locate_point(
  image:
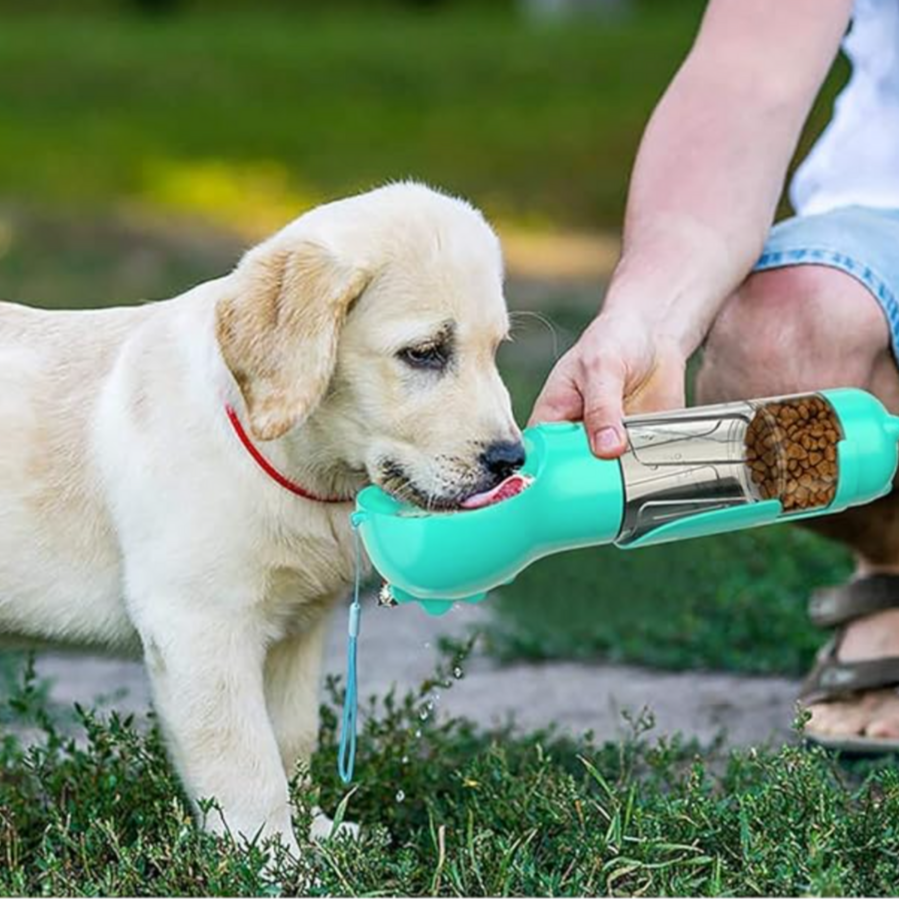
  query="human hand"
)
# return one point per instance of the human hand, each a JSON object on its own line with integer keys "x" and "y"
{"x": 618, "y": 365}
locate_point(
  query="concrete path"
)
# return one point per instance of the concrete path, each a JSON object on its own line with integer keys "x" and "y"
{"x": 398, "y": 646}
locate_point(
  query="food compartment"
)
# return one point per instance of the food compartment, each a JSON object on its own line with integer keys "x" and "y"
{"x": 791, "y": 451}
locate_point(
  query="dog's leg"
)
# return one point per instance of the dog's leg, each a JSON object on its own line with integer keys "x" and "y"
{"x": 292, "y": 680}
{"x": 206, "y": 671}
{"x": 292, "y": 677}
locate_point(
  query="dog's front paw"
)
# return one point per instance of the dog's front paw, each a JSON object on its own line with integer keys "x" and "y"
{"x": 322, "y": 827}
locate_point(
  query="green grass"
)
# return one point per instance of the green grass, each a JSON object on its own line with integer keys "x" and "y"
{"x": 454, "y": 811}
{"x": 734, "y": 602}
{"x": 251, "y": 115}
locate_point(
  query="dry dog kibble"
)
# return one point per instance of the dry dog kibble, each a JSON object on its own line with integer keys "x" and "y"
{"x": 791, "y": 452}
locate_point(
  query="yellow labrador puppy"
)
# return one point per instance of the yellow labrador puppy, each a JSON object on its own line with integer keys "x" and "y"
{"x": 178, "y": 477}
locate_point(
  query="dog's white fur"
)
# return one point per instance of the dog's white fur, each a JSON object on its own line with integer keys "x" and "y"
{"x": 132, "y": 518}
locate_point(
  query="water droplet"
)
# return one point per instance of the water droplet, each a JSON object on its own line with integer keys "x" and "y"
{"x": 418, "y": 735}
{"x": 457, "y": 672}
{"x": 405, "y": 760}
{"x": 400, "y": 795}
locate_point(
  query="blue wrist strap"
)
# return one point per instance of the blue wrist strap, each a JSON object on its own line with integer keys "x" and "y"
{"x": 346, "y": 754}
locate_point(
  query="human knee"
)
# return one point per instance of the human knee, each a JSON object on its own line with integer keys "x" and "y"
{"x": 792, "y": 329}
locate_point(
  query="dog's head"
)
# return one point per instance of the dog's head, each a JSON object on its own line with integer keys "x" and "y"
{"x": 375, "y": 321}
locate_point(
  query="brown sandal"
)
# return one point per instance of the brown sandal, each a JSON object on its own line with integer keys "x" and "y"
{"x": 830, "y": 679}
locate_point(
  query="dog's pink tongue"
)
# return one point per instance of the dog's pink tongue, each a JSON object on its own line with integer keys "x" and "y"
{"x": 511, "y": 486}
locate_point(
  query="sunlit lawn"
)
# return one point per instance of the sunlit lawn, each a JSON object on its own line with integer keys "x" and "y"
{"x": 246, "y": 117}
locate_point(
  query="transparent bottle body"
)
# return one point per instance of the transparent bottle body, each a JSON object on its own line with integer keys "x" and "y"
{"x": 692, "y": 461}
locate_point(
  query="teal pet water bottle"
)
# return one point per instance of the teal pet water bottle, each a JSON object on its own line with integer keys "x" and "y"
{"x": 685, "y": 474}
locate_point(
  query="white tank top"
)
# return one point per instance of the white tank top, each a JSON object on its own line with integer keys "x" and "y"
{"x": 856, "y": 159}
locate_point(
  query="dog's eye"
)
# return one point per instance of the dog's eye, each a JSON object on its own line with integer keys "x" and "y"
{"x": 431, "y": 356}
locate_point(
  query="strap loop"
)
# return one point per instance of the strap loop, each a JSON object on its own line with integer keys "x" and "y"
{"x": 346, "y": 754}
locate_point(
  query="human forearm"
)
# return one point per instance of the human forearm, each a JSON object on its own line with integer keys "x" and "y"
{"x": 702, "y": 196}
{"x": 713, "y": 159}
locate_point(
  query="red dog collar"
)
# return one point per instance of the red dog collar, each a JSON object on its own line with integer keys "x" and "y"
{"x": 270, "y": 470}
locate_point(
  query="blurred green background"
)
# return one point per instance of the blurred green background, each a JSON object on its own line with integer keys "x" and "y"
{"x": 144, "y": 145}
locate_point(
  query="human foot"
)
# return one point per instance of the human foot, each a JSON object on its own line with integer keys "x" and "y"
{"x": 873, "y": 712}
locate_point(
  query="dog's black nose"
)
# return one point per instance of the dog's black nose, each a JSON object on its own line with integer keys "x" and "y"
{"x": 503, "y": 458}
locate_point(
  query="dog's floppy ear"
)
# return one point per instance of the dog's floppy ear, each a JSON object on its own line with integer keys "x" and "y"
{"x": 278, "y": 331}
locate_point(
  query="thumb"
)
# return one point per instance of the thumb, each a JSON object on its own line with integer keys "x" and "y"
{"x": 604, "y": 409}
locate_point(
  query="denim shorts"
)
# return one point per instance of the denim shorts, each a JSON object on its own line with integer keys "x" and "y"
{"x": 859, "y": 240}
